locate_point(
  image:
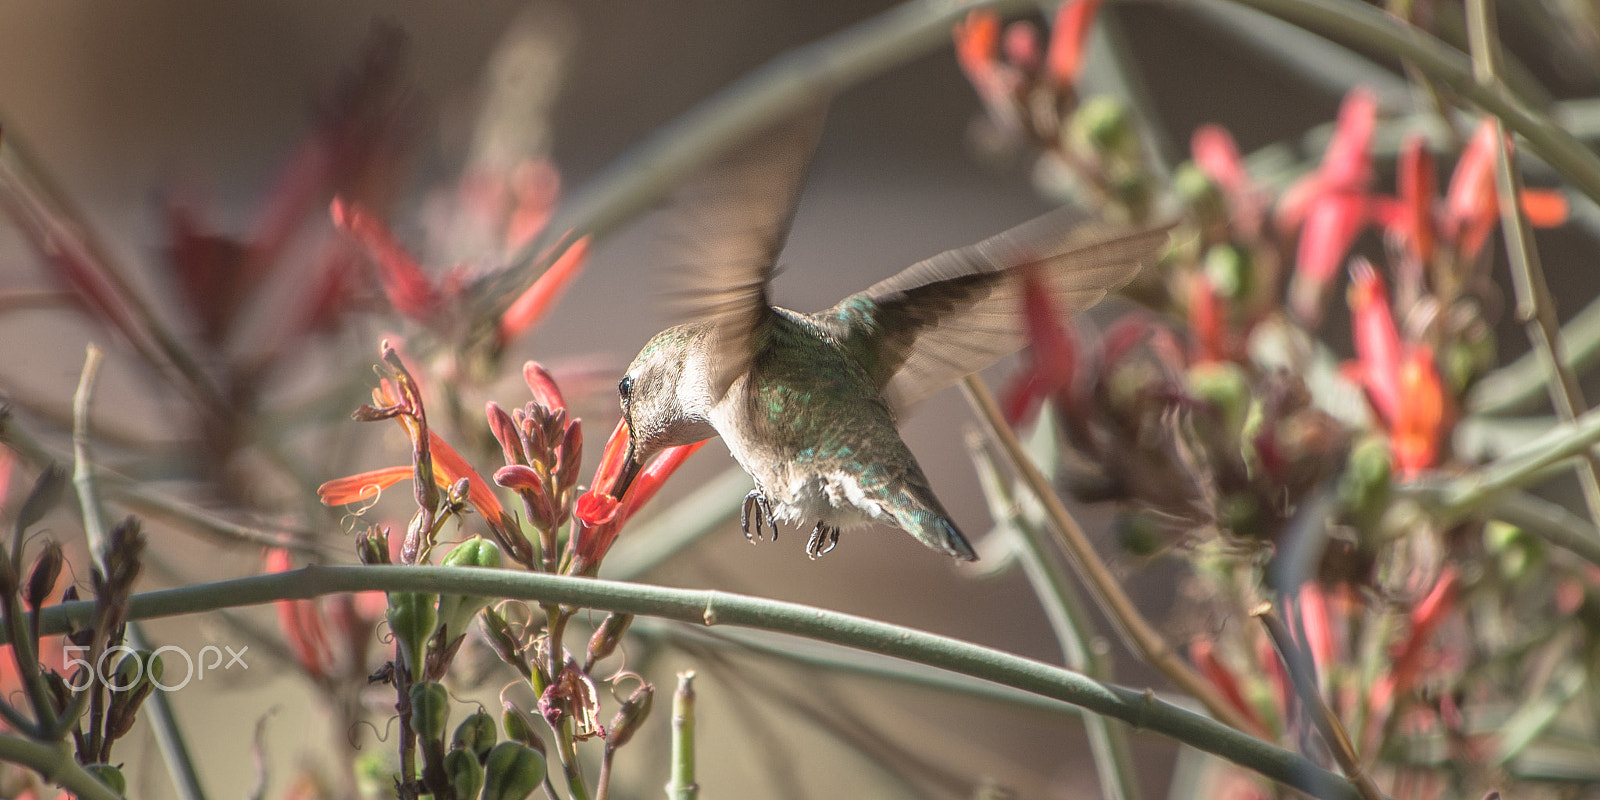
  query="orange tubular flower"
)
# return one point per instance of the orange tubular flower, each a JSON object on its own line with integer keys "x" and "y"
{"x": 601, "y": 516}
{"x": 1067, "y": 37}
{"x": 405, "y": 283}
{"x": 1331, "y": 206}
{"x": 532, "y": 306}
{"x": 1401, "y": 380}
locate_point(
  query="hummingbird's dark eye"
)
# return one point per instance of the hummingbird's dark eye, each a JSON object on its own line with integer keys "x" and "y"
{"x": 626, "y": 386}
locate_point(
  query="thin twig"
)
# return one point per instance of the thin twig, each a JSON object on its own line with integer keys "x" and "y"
{"x": 1108, "y": 741}
{"x": 1303, "y": 675}
{"x": 1139, "y": 634}
{"x": 1377, "y": 30}
{"x": 1535, "y": 307}
{"x": 169, "y": 738}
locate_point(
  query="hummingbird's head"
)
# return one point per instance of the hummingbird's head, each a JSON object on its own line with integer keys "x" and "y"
{"x": 665, "y": 397}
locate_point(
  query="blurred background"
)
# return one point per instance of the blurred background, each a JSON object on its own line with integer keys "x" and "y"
{"x": 134, "y": 109}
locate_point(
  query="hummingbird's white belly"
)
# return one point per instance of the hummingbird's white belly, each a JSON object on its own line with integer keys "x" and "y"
{"x": 834, "y": 498}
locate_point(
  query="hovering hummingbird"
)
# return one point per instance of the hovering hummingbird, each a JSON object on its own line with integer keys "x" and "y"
{"x": 809, "y": 404}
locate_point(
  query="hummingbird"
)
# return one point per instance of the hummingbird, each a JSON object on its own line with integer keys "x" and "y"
{"x": 810, "y": 404}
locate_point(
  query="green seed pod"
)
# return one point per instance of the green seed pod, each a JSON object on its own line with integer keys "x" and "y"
{"x": 412, "y": 618}
{"x": 512, "y": 772}
{"x": 430, "y": 710}
{"x": 456, "y": 611}
{"x": 1364, "y": 488}
{"x": 373, "y": 546}
{"x": 475, "y": 733}
{"x": 519, "y": 728}
{"x": 464, "y": 772}
{"x": 108, "y": 775}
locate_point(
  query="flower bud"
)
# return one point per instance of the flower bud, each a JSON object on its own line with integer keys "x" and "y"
{"x": 373, "y": 546}
{"x": 461, "y": 767}
{"x": 1230, "y": 272}
{"x": 505, "y": 432}
{"x": 570, "y": 456}
{"x": 475, "y": 734}
{"x": 512, "y": 771}
{"x": 108, "y": 775}
{"x": 430, "y": 710}
{"x": 1364, "y": 488}
{"x": 46, "y": 569}
{"x": 1102, "y": 124}
{"x": 504, "y": 642}
{"x": 631, "y": 716}
{"x": 606, "y": 638}
{"x": 528, "y": 484}
{"x": 1201, "y": 195}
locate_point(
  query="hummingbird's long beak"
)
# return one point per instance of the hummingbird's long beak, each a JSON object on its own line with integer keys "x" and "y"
{"x": 630, "y": 470}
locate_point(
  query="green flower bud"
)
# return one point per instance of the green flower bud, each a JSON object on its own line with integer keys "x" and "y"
{"x": 1138, "y": 533}
{"x": 373, "y": 546}
{"x": 1224, "y": 386}
{"x": 476, "y": 733}
{"x": 464, "y": 772}
{"x": 1364, "y": 488}
{"x": 1103, "y": 126}
{"x": 412, "y": 618}
{"x": 1230, "y": 271}
{"x": 108, "y": 775}
{"x": 42, "y": 580}
{"x": 512, "y": 771}
{"x": 456, "y": 611}
{"x": 430, "y": 710}
{"x": 519, "y": 728}
{"x": 1202, "y": 196}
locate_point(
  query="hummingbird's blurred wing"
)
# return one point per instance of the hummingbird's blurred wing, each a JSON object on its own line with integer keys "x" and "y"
{"x": 960, "y": 311}
{"x": 728, "y": 225}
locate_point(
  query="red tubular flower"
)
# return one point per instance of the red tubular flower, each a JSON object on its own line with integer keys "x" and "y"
{"x": 543, "y": 385}
{"x": 527, "y": 310}
{"x": 977, "y": 41}
{"x": 1052, "y": 357}
{"x": 1217, "y": 155}
{"x": 1330, "y": 206}
{"x": 1202, "y": 653}
{"x": 1377, "y": 366}
{"x": 1021, "y": 45}
{"x": 1067, "y": 36}
{"x": 1208, "y": 321}
{"x": 535, "y": 185}
{"x": 601, "y": 516}
{"x": 1470, "y": 204}
{"x": 301, "y": 623}
{"x": 1318, "y": 626}
{"x": 1417, "y": 195}
{"x": 407, "y": 286}
{"x": 1408, "y": 658}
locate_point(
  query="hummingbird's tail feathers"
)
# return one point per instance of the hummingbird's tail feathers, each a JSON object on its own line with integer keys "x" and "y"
{"x": 938, "y": 533}
{"x": 918, "y": 512}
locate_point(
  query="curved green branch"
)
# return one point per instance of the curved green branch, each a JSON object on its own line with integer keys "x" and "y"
{"x": 709, "y": 607}
{"x": 55, "y": 763}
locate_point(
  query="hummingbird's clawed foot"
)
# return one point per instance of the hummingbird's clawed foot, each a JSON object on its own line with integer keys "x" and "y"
{"x": 823, "y": 539}
{"x": 755, "y": 499}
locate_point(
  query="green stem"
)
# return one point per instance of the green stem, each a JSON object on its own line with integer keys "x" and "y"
{"x": 1468, "y": 493}
{"x": 700, "y": 607}
{"x": 682, "y": 786}
{"x": 1535, "y": 308}
{"x": 1108, "y": 741}
{"x": 54, "y": 761}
